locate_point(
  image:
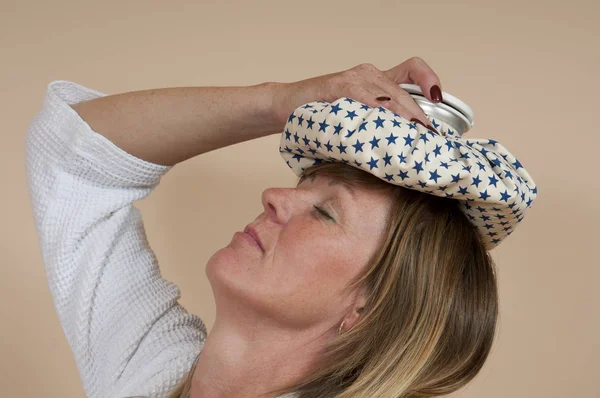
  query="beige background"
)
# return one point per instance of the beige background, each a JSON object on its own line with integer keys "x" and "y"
{"x": 528, "y": 70}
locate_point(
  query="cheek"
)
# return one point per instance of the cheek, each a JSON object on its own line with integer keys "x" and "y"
{"x": 311, "y": 264}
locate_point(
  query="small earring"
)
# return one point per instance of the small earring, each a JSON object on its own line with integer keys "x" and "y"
{"x": 340, "y": 329}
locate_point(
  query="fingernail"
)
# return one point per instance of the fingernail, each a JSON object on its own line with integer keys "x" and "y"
{"x": 436, "y": 93}
{"x": 418, "y": 121}
{"x": 430, "y": 127}
{"x": 383, "y": 98}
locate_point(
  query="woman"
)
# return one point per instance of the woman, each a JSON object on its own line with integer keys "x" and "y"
{"x": 401, "y": 301}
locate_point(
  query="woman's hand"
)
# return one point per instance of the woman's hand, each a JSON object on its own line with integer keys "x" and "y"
{"x": 364, "y": 83}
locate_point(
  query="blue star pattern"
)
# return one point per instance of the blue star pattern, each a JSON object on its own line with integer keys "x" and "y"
{"x": 492, "y": 186}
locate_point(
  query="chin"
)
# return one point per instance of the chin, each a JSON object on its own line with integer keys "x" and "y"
{"x": 220, "y": 264}
{"x": 227, "y": 273}
{"x": 234, "y": 286}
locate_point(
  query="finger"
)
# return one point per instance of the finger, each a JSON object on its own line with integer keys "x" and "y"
{"x": 416, "y": 71}
{"x": 401, "y": 97}
{"x": 366, "y": 89}
{"x": 369, "y": 94}
{"x": 408, "y": 102}
{"x": 399, "y": 110}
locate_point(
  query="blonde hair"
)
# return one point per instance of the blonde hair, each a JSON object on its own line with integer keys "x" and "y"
{"x": 432, "y": 303}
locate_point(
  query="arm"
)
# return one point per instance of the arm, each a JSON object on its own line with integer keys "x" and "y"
{"x": 128, "y": 334}
{"x": 169, "y": 125}
{"x": 89, "y": 156}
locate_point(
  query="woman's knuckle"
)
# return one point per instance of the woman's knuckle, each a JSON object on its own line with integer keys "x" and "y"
{"x": 416, "y": 60}
{"x": 366, "y": 67}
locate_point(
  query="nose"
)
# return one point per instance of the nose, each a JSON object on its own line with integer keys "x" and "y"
{"x": 278, "y": 203}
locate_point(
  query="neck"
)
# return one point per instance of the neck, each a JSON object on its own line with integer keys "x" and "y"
{"x": 251, "y": 360}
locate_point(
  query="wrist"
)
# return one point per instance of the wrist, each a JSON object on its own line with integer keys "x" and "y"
{"x": 279, "y": 98}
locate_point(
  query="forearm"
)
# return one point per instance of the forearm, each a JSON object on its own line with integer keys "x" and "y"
{"x": 169, "y": 125}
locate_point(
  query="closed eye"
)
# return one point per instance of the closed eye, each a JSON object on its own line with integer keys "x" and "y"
{"x": 323, "y": 212}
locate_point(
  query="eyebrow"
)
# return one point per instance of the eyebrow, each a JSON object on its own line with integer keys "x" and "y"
{"x": 345, "y": 185}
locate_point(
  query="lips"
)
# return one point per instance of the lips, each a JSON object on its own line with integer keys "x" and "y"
{"x": 252, "y": 232}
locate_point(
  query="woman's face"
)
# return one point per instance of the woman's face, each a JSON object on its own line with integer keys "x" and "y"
{"x": 308, "y": 259}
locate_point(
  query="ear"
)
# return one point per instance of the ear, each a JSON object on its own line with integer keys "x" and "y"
{"x": 353, "y": 316}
